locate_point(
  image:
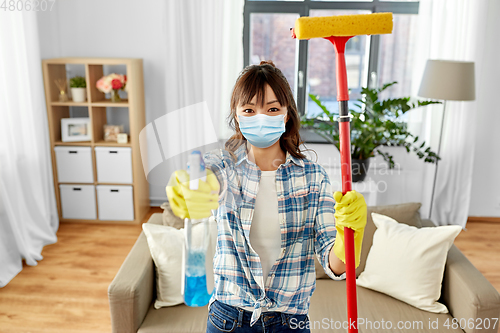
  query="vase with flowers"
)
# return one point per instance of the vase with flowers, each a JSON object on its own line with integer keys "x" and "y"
{"x": 112, "y": 83}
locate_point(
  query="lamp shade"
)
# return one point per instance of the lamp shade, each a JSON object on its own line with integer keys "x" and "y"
{"x": 448, "y": 80}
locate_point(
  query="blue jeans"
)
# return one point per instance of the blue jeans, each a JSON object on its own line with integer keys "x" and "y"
{"x": 227, "y": 318}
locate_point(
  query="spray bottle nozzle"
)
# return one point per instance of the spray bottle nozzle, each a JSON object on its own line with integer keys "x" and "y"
{"x": 196, "y": 169}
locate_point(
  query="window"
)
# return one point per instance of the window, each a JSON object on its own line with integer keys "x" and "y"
{"x": 321, "y": 71}
{"x": 270, "y": 40}
{"x": 310, "y": 65}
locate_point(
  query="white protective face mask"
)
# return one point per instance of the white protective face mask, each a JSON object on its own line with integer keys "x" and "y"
{"x": 262, "y": 130}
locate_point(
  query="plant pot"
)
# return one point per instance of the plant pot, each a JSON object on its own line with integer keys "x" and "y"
{"x": 359, "y": 169}
{"x": 79, "y": 94}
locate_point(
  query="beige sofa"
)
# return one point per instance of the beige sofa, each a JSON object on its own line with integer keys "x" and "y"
{"x": 465, "y": 291}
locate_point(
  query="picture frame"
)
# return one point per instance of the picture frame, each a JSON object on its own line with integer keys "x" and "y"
{"x": 76, "y": 129}
{"x": 111, "y": 132}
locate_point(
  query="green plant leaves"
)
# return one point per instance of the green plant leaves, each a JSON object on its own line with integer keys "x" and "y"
{"x": 77, "y": 82}
{"x": 375, "y": 123}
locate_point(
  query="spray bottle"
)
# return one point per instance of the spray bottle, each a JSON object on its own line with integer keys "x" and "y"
{"x": 199, "y": 246}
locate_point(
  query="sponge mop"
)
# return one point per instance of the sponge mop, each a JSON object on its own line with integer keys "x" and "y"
{"x": 343, "y": 25}
{"x": 338, "y": 30}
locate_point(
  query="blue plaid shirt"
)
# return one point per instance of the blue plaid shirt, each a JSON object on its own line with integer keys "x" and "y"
{"x": 306, "y": 208}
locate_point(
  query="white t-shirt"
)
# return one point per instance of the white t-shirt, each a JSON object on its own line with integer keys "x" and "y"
{"x": 265, "y": 231}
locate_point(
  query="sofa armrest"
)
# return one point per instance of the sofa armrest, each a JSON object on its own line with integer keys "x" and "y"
{"x": 467, "y": 293}
{"x": 131, "y": 292}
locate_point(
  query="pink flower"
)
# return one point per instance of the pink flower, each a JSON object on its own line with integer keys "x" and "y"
{"x": 103, "y": 85}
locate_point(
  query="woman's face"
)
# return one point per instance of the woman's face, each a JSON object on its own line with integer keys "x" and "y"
{"x": 271, "y": 106}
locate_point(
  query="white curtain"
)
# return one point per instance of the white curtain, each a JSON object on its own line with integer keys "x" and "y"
{"x": 203, "y": 59}
{"x": 28, "y": 212}
{"x": 204, "y": 55}
{"x": 450, "y": 30}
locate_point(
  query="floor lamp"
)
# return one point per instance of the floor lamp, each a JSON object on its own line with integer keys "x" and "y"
{"x": 449, "y": 81}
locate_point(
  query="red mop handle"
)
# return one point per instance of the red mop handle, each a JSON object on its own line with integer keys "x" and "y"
{"x": 345, "y": 160}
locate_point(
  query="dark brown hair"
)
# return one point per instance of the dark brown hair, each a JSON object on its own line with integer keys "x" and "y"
{"x": 252, "y": 81}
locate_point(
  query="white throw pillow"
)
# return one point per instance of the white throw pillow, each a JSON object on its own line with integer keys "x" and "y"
{"x": 407, "y": 263}
{"x": 165, "y": 244}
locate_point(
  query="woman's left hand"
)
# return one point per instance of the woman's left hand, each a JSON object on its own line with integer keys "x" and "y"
{"x": 350, "y": 212}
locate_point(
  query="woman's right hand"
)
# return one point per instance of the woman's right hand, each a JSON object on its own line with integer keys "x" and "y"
{"x": 194, "y": 204}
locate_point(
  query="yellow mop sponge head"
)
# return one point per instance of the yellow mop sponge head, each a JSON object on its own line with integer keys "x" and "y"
{"x": 343, "y": 25}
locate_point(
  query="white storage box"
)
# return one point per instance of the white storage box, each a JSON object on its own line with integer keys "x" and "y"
{"x": 115, "y": 202}
{"x": 114, "y": 164}
{"x": 74, "y": 164}
{"x": 78, "y": 202}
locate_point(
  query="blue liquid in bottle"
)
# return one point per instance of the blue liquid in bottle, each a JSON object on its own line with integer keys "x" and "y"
{"x": 195, "y": 283}
{"x": 195, "y": 293}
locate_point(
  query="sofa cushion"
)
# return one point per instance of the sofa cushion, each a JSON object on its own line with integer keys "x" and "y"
{"x": 408, "y": 263}
{"x": 180, "y": 318}
{"x": 407, "y": 213}
{"x": 165, "y": 245}
{"x": 328, "y": 307}
{"x": 155, "y": 218}
{"x": 169, "y": 218}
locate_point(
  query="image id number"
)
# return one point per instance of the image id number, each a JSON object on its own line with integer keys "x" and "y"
{"x": 27, "y": 5}
{"x": 479, "y": 323}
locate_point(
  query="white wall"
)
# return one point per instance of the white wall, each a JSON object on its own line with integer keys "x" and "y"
{"x": 485, "y": 199}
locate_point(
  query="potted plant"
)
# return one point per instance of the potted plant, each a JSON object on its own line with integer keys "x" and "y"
{"x": 374, "y": 124}
{"x": 78, "y": 88}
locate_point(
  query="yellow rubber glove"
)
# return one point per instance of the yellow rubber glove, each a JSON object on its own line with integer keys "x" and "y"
{"x": 194, "y": 204}
{"x": 350, "y": 211}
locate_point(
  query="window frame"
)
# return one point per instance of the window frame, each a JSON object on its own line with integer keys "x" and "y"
{"x": 302, "y": 8}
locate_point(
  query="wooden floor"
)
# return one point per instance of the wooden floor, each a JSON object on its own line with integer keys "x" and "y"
{"x": 67, "y": 290}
